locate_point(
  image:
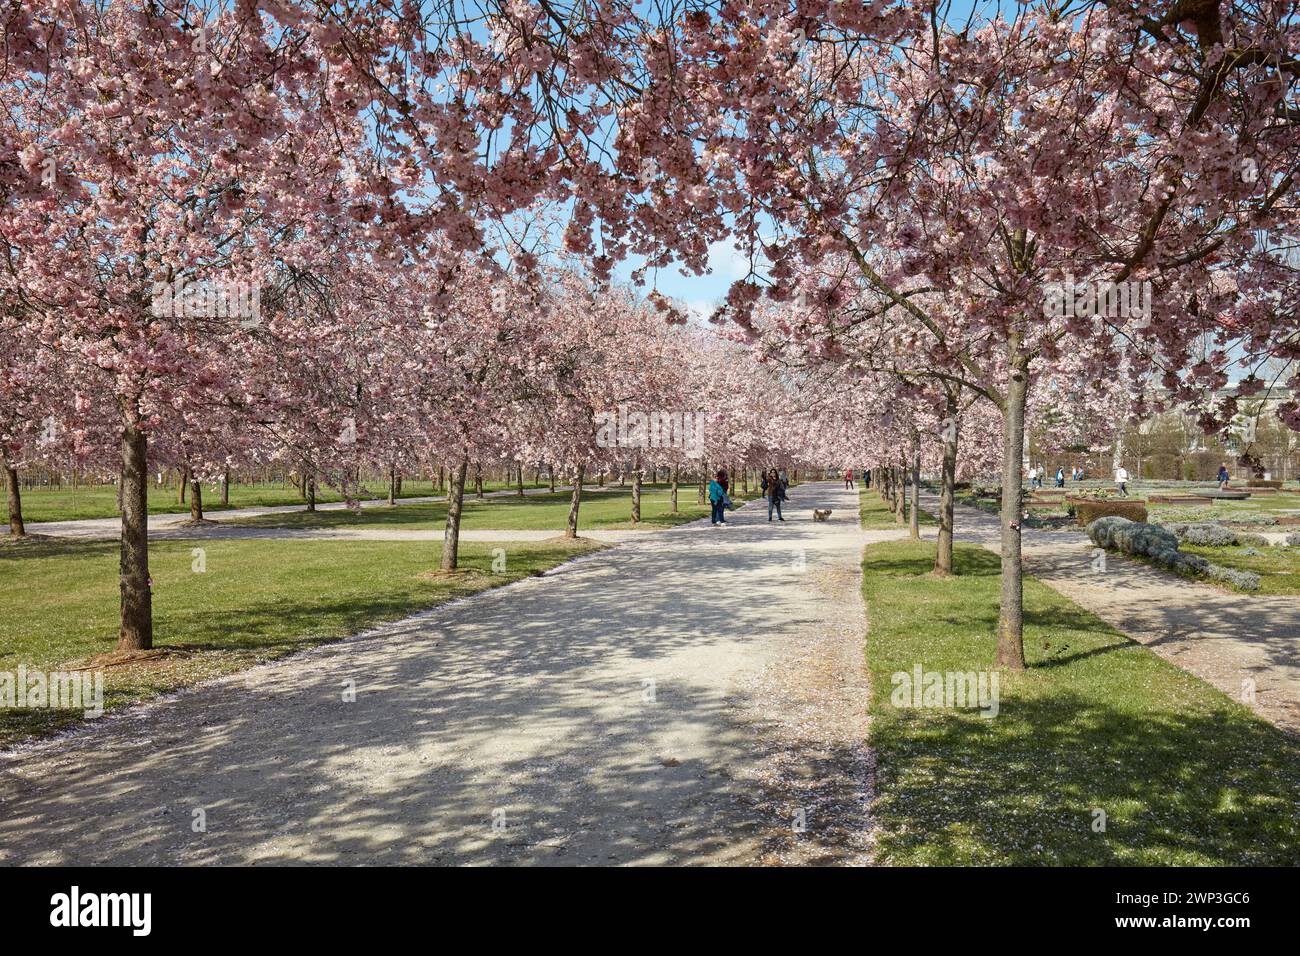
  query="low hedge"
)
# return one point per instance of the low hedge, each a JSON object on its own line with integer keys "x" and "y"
{"x": 1088, "y": 510}
{"x": 1263, "y": 483}
{"x": 1116, "y": 533}
{"x": 1210, "y": 534}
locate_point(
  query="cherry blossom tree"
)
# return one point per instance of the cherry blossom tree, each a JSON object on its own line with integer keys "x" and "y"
{"x": 1099, "y": 147}
{"x": 137, "y": 204}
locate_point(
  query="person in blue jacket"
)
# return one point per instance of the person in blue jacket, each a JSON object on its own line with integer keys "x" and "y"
{"x": 718, "y": 499}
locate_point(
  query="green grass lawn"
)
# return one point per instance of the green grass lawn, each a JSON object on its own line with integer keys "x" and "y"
{"x": 255, "y": 601}
{"x": 1184, "y": 774}
{"x": 100, "y": 501}
{"x": 609, "y": 509}
{"x": 876, "y": 516}
{"x": 1278, "y": 568}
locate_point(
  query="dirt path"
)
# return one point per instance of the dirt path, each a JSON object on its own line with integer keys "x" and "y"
{"x": 1221, "y": 637}
{"x": 677, "y": 699}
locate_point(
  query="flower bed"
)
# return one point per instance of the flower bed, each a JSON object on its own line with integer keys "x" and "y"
{"x": 1169, "y": 516}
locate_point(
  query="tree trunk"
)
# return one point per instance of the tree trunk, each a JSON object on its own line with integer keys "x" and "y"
{"x": 392, "y": 486}
{"x": 196, "y": 498}
{"x": 914, "y": 519}
{"x": 704, "y": 484}
{"x": 943, "y": 557}
{"x": 571, "y": 530}
{"x": 136, "y": 633}
{"x": 180, "y": 491}
{"x": 478, "y": 479}
{"x": 225, "y": 488}
{"x": 550, "y": 469}
{"x": 520, "y": 486}
{"x": 636, "y": 490}
{"x": 455, "y": 500}
{"x": 900, "y": 490}
{"x": 16, "y": 526}
{"x": 674, "y": 489}
{"x": 442, "y": 479}
{"x": 1011, "y": 615}
{"x": 311, "y": 492}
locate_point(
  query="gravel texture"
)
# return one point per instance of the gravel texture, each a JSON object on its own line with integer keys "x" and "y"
{"x": 675, "y": 699}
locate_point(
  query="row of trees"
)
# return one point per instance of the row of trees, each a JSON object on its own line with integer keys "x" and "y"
{"x": 913, "y": 190}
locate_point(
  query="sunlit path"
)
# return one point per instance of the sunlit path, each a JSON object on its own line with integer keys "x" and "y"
{"x": 676, "y": 699}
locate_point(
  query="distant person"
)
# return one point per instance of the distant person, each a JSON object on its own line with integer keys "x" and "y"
{"x": 1060, "y": 476}
{"x": 866, "y": 477}
{"x": 774, "y": 492}
{"x": 1121, "y": 479}
{"x": 1034, "y": 480}
{"x": 718, "y": 499}
{"x": 1224, "y": 477}
{"x": 848, "y": 478}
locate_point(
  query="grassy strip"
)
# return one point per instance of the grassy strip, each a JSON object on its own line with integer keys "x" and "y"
{"x": 1278, "y": 568}
{"x": 609, "y": 510}
{"x": 1184, "y": 774}
{"x": 100, "y": 501}
{"x": 257, "y": 600}
{"x": 875, "y": 514}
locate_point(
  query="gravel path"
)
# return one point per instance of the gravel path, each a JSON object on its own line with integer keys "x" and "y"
{"x": 1222, "y": 637}
{"x": 694, "y": 696}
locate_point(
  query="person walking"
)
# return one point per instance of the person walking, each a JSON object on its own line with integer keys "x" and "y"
{"x": 1060, "y": 476}
{"x": 848, "y": 479}
{"x": 774, "y": 492}
{"x": 1224, "y": 477}
{"x": 718, "y": 499}
{"x": 1121, "y": 479}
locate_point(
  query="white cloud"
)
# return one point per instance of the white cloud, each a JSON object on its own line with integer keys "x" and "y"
{"x": 726, "y": 260}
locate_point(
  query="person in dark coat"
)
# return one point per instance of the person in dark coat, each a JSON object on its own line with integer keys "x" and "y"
{"x": 774, "y": 492}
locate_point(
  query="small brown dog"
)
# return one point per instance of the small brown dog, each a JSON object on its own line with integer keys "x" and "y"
{"x": 820, "y": 515}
